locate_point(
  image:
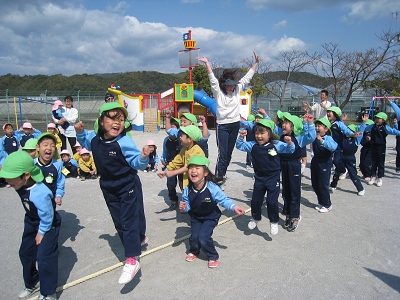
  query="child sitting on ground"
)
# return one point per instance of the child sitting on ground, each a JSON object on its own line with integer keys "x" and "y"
{"x": 201, "y": 199}
{"x": 78, "y": 149}
{"x": 70, "y": 165}
{"x": 87, "y": 168}
{"x": 153, "y": 157}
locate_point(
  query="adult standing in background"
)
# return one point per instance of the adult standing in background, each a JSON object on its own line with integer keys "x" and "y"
{"x": 320, "y": 108}
{"x": 226, "y": 93}
{"x": 70, "y": 115}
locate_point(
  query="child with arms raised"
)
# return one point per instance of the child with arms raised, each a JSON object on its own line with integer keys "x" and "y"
{"x": 201, "y": 199}
{"x": 117, "y": 160}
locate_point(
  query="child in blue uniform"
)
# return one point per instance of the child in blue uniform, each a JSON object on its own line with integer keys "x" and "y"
{"x": 153, "y": 157}
{"x": 321, "y": 164}
{"x": 267, "y": 168}
{"x": 301, "y": 134}
{"x": 39, "y": 245}
{"x": 70, "y": 165}
{"x": 51, "y": 169}
{"x": 9, "y": 141}
{"x": 379, "y": 131}
{"x": 365, "y": 153}
{"x": 170, "y": 150}
{"x": 117, "y": 160}
{"x": 26, "y": 132}
{"x": 201, "y": 199}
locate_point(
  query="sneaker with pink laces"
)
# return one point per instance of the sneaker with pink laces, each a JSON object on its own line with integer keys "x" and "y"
{"x": 129, "y": 271}
{"x": 213, "y": 263}
{"x": 190, "y": 257}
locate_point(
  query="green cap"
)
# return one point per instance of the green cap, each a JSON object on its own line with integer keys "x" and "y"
{"x": 18, "y": 163}
{"x": 199, "y": 161}
{"x": 113, "y": 105}
{"x": 324, "y": 121}
{"x": 178, "y": 122}
{"x": 251, "y": 118}
{"x": 192, "y": 131}
{"x": 336, "y": 110}
{"x": 296, "y": 121}
{"x": 191, "y": 117}
{"x": 259, "y": 116}
{"x": 381, "y": 115}
{"x": 47, "y": 134}
{"x": 30, "y": 144}
{"x": 267, "y": 123}
{"x": 279, "y": 114}
{"x": 353, "y": 127}
{"x": 369, "y": 122}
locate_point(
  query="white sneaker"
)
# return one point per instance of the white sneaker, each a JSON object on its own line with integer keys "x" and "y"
{"x": 27, "y": 292}
{"x": 361, "y": 193}
{"x": 332, "y": 189}
{"x": 252, "y": 224}
{"x": 379, "y": 182}
{"x": 274, "y": 228}
{"x": 128, "y": 272}
{"x": 343, "y": 176}
{"x": 49, "y": 297}
{"x": 372, "y": 181}
{"x": 325, "y": 210}
{"x": 318, "y": 207}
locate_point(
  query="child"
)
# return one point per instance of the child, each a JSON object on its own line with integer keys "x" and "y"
{"x": 70, "y": 165}
{"x": 379, "y": 131}
{"x": 9, "y": 141}
{"x": 30, "y": 147}
{"x": 203, "y": 142}
{"x": 201, "y": 199}
{"x": 153, "y": 157}
{"x": 87, "y": 168}
{"x": 249, "y": 138}
{"x": 170, "y": 150}
{"x": 338, "y": 130}
{"x": 267, "y": 167}
{"x": 26, "y": 132}
{"x": 57, "y": 113}
{"x": 51, "y": 169}
{"x": 302, "y": 133}
{"x": 365, "y": 153}
{"x": 39, "y": 245}
{"x": 190, "y": 135}
{"x": 52, "y": 128}
{"x": 117, "y": 160}
{"x": 78, "y": 149}
{"x": 396, "y": 121}
{"x": 321, "y": 164}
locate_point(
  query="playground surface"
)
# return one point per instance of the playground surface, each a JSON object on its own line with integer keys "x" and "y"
{"x": 352, "y": 252}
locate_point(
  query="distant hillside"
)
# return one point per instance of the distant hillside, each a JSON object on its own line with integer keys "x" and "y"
{"x": 137, "y": 82}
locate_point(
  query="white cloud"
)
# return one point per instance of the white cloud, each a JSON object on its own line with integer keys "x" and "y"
{"x": 51, "y": 39}
{"x": 368, "y": 9}
{"x": 280, "y": 25}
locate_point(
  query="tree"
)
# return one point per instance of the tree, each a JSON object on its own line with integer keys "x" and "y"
{"x": 350, "y": 71}
{"x": 386, "y": 82}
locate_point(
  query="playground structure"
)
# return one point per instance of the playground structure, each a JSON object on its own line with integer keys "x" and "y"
{"x": 144, "y": 109}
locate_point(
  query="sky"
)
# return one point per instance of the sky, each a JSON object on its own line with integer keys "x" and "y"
{"x": 93, "y": 36}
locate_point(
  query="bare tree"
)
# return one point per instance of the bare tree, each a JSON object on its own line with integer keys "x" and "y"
{"x": 349, "y": 71}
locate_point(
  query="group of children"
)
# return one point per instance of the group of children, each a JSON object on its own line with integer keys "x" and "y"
{"x": 275, "y": 158}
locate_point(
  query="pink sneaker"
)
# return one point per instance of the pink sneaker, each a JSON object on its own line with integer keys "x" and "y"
{"x": 213, "y": 263}
{"x": 190, "y": 257}
{"x": 129, "y": 271}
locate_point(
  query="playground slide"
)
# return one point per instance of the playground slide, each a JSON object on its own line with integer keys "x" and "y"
{"x": 206, "y": 101}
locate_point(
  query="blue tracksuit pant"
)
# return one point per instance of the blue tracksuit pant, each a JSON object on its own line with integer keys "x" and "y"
{"x": 320, "y": 175}
{"x": 291, "y": 187}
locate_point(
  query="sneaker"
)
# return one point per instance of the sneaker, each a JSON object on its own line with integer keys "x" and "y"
{"x": 325, "y": 210}
{"x": 144, "y": 241}
{"x": 318, "y": 207}
{"x": 343, "y": 175}
{"x": 190, "y": 257}
{"x": 361, "y": 193}
{"x": 29, "y": 291}
{"x": 83, "y": 178}
{"x": 287, "y": 222}
{"x": 128, "y": 272}
{"x": 372, "y": 181}
{"x": 294, "y": 223}
{"x": 213, "y": 263}
{"x": 93, "y": 177}
{"x": 379, "y": 182}
{"x": 367, "y": 178}
{"x": 332, "y": 189}
{"x": 252, "y": 224}
{"x": 49, "y": 297}
{"x": 274, "y": 228}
